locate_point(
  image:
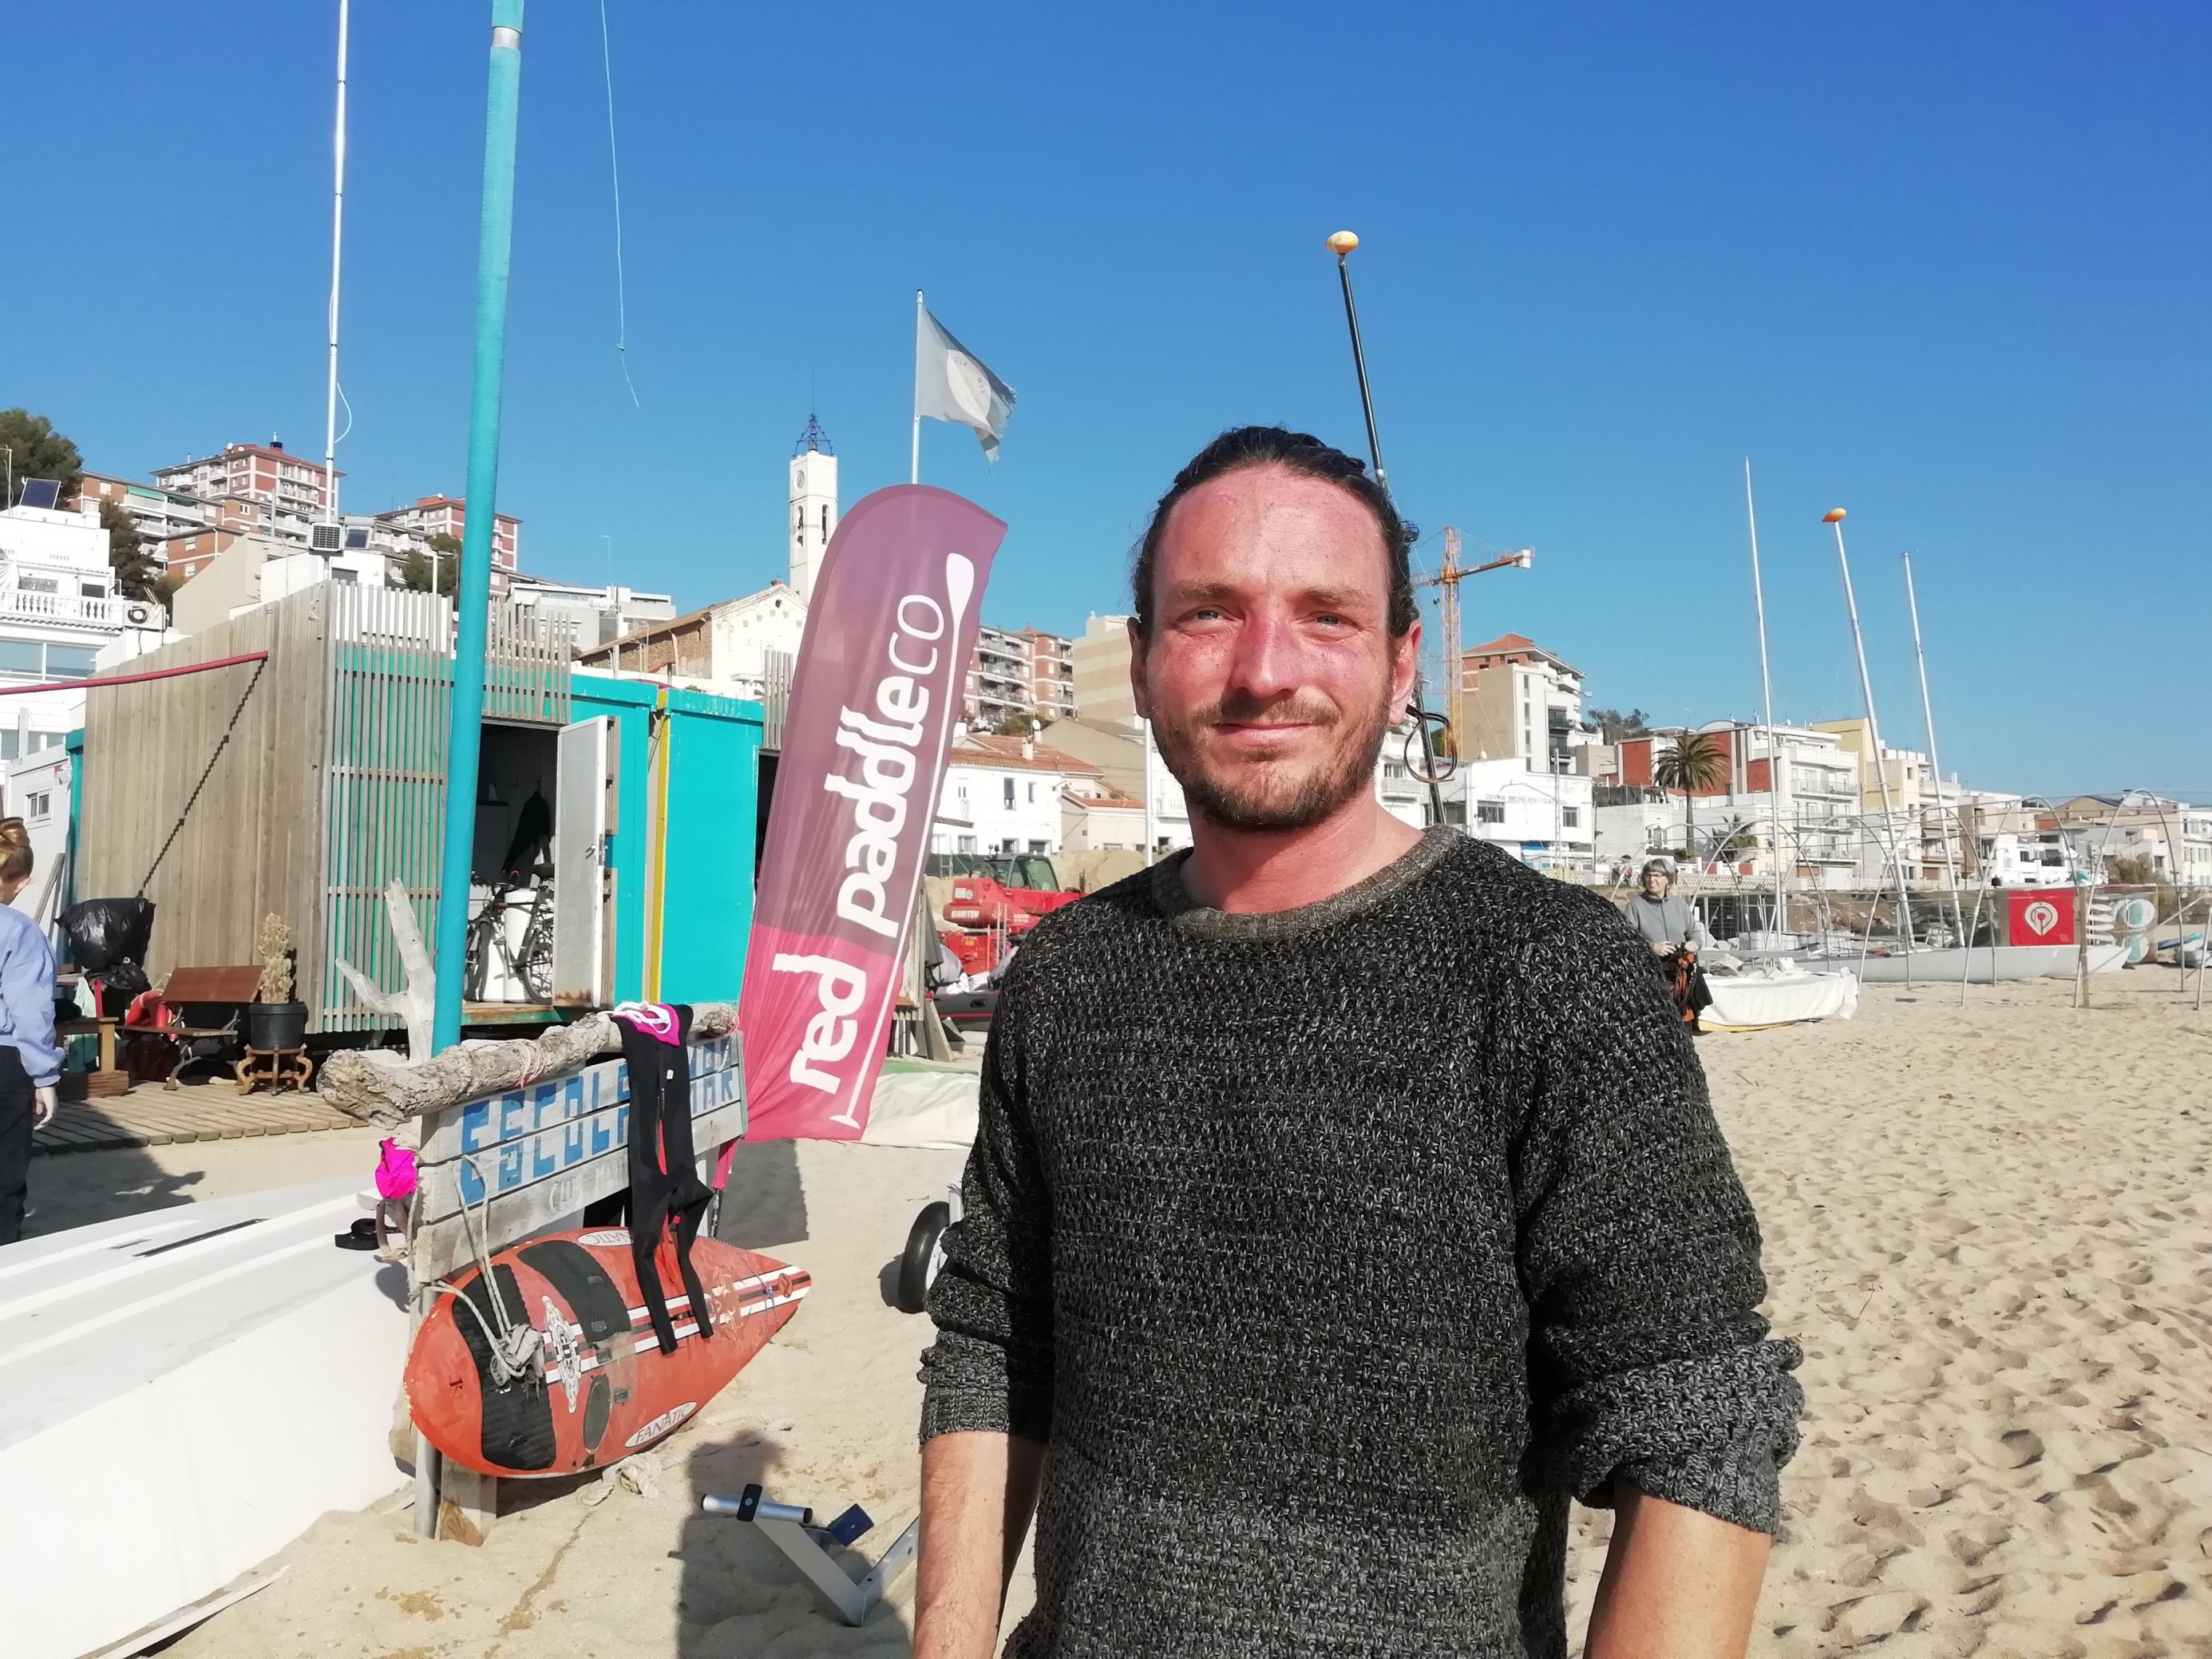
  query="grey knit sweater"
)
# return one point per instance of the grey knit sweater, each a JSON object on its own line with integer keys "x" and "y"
{"x": 1333, "y": 1251}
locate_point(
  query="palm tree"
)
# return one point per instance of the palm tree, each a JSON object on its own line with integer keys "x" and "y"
{"x": 1696, "y": 762}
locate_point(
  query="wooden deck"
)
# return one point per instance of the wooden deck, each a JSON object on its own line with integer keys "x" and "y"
{"x": 150, "y": 1116}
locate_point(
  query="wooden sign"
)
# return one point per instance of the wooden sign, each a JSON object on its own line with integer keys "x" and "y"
{"x": 518, "y": 1161}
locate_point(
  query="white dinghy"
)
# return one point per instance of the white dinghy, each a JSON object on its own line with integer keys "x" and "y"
{"x": 182, "y": 1393}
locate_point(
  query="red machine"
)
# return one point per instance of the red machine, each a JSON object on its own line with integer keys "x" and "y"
{"x": 994, "y": 901}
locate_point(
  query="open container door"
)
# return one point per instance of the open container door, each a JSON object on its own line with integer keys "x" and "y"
{"x": 584, "y": 826}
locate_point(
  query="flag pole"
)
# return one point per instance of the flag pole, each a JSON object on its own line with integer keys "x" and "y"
{"x": 914, "y": 474}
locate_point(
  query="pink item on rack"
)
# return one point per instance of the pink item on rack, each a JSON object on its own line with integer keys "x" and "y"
{"x": 395, "y": 1171}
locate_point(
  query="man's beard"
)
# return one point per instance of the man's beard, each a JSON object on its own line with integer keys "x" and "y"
{"x": 1268, "y": 795}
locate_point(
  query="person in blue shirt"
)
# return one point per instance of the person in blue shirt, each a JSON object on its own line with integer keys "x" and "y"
{"x": 30, "y": 1056}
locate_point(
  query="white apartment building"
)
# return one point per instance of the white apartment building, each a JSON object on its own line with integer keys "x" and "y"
{"x": 1519, "y": 701}
{"x": 596, "y": 616}
{"x": 60, "y": 619}
{"x": 1005, "y": 795}
{"x": 1545, "y": 820}
{"x": 998, "y": 677}
{"x": 1797, "y": 807}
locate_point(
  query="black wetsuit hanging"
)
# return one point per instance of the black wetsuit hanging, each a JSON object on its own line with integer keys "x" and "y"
{"x": 665, "y": 1187}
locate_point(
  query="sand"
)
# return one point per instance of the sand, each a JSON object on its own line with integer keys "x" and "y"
{"x": 1989, "y": 1228}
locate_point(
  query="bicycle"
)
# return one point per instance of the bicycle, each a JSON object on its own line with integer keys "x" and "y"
{"x": 531, "y": 962}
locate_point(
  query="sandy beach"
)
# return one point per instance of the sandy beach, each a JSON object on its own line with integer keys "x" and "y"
{"x": 1990, "y": 1228}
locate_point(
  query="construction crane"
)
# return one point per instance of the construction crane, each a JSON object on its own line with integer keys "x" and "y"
{"x": 1449, "y": 574}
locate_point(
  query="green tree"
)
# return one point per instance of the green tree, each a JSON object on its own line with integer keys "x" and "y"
{"x": 1613, "y": 725}
{"x": 438, "y": 571}
{"x": 1696, "y": 762}
{"x": 137, "y": 575}
{"x": 36, "y": 451}
{"x": 1015, "y": 723}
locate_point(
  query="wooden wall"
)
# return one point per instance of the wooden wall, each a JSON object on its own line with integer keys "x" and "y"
{"x": 206, "y": 790}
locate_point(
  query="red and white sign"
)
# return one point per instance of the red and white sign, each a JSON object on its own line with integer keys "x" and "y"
{"x": 882, "y": 678}
{"x": 2046, "y": 918}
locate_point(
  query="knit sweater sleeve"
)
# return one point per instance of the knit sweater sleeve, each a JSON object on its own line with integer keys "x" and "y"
{"x": 1638, "y": 1249}
{"x": 991, "y": 1367}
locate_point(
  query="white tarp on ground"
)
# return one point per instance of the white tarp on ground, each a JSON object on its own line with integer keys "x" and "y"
{"x": 1779, "y": 999}
{"x": 923, "y": 1109}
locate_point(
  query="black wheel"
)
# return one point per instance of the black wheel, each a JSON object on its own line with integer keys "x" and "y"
{"x": 925, "y": 1253}
{"x": 538, "y": 961}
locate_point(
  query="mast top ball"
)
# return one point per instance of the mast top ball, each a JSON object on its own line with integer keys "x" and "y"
{"x": 1833, "y": 515}
{"x": 1342, "y": 242}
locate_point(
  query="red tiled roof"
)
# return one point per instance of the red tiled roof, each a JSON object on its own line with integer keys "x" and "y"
{"x": 983, "y": 749}
{"x": 1505, "y": 645}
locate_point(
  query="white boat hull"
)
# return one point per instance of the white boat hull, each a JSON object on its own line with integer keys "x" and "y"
{"x": 186, "y": 1390}
{"x": 1982, "y": 965}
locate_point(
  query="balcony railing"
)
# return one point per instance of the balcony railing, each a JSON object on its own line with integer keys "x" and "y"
{"x": 62, "y": 609}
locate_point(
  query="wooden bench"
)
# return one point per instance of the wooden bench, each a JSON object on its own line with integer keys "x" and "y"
{"x": 195, "y": 993}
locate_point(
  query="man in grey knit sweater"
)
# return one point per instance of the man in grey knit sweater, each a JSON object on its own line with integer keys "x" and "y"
{"x": 1346, "y": 1200}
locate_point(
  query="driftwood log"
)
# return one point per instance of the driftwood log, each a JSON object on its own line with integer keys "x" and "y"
{"x": 379, "y": 1089}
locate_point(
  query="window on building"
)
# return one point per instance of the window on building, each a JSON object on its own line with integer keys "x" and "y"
{"x": 41, "y": 804}
{"x": 1009, "y": 782}
{"x": 70, "y": 662}
{"x": 1033, "y": 802}
{"x": 21, "y": 657}
{"x": 1036, "y": 847}
{"x": 1572, "y": 817}
{"x": 37, "y": 584}
{"x": 1489, "y": 811}
{"x": 964, "y": 843}
{"x": 1010, "y": 845}
{"x": 90, "y": 591}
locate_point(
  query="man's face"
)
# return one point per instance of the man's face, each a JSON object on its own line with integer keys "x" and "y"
{"x": 1271, "y": 674}
{"x": 1657, "y": 884}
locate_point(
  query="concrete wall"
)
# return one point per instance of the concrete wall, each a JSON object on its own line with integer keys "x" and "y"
{"x": 232, "y": 579}
{"x": 1102, "y": 671}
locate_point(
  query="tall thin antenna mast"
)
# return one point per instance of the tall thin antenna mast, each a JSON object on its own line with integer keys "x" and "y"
{"x": 337, "y": 239}
{"x": 1766, "y": 693}
{"x": 1935, "y": 759}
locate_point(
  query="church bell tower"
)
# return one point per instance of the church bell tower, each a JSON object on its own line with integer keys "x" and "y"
{"x": 813, "y": 505}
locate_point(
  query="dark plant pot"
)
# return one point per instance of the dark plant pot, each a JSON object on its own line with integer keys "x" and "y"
{"x": 276, "y": 1025}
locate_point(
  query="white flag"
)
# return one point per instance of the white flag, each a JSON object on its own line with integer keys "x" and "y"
{"x": 951, "y": 384}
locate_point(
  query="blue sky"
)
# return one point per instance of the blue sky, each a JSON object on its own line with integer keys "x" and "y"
{"x": 1943, "y": 265}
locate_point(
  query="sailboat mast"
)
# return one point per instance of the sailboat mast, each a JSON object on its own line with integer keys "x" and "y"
{"x": 1834, "y": 518}
{"x": 1935, "y": 759}
{"x": 338, "y": 238}
{"x": 1766, "y": 693}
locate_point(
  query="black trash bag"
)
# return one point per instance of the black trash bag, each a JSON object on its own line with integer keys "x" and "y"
{"x": 104, "y": 933}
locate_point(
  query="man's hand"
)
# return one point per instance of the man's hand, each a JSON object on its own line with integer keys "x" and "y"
{"x": 1664, "y": 948}
{"x": 43, "y": 1102}
{"x": 977, "y": 1491}
{"x": 1678, "y": 1584}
